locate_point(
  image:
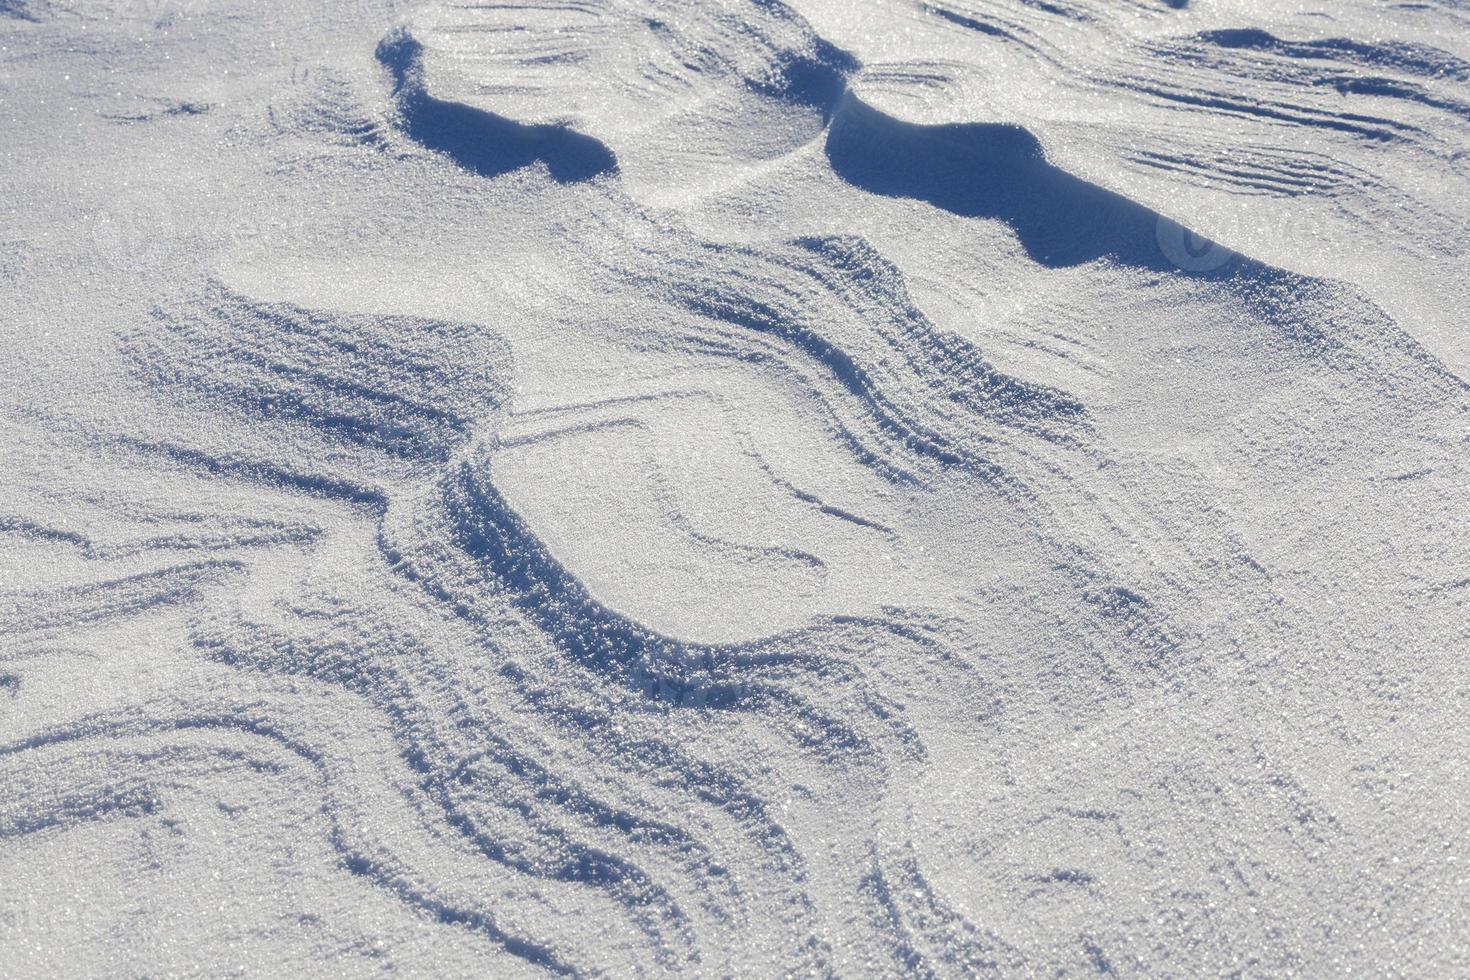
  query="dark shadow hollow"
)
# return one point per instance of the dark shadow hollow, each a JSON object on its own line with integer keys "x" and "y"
{"x": 998, "y": 171}
{"x": 479, "y": 141}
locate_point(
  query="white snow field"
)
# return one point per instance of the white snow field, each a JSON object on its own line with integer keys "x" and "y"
{"x": 735, "y": 488}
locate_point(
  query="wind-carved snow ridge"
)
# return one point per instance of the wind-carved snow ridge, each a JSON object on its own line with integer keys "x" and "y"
{"x": 999, "y": 171}
{"x": 480, "y": 141}
{"x": 835, "y": 301}
{"x": 996, "y": 171}
{"x": 333, "y": 382}
{"x": 407, "y": 388}
{"x": 682, "y": 89}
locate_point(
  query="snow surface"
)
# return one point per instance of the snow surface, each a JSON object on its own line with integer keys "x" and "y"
{"x": 735, "y": 488}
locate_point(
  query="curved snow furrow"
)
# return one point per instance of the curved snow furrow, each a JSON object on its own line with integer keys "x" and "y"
{"x": 369, "y": 378}
{"x": 756, "y": 880}
{"x": 517, "y": 781}
{"x": 358, "y": 852}
{"x": 677, "y": 518}
{"x": 708, "y": 332}
{"x": 537, "y": 824}
{"x": 513, "y": 810}
{"x": 22, "y": 816}
{"x": 1033, "y": 31}
{"x": 1267, "y": 80}
{"x": 258, "y": 470}
{"x": 721, "y": 895}
{"x": 807, "y": 497}
{"x": 111, "y": 779}
{"x": 244, "y": 534}
{"x": 121, "y": 598}
{"x": 1391, "y": 88}
{"x": 1268, "y": 84}
{"x": 490, "y": 795}
{"x": 1257, "y": 169}
{"x": 1044, "y": 34}
{"x": 527, "y": 430}
{"x": 854, "y": 273}
{"x": 494, "y": 796}
{"x": 491, "y": 533}
{"x": 410, "y": 389}
{"x": 1379, "y": 128}
{"x": 1371, "y": 109}
{"x": 481, "y": 818}
{"x": 488, "y": 530}
{"x": 1419, "y": 60}
{"x": 838, "y": 303}
{"x": 607, "y": 728}
{"x": 543, "y": 54}
{"x": 928, "y": 937}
